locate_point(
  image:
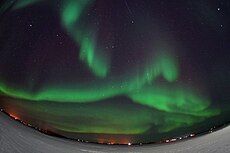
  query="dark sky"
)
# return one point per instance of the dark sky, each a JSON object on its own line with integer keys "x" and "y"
{"x": 140, "y": 70}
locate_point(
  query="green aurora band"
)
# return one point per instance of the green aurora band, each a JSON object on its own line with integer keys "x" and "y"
{"x": 103, "y": 89}
{"x": 105, "y": 118}
{"x": 85, "y": 37}
{"x": 183, "y": 106}
{"x": 19, "y": 4}
{"x": 174, "y": 100}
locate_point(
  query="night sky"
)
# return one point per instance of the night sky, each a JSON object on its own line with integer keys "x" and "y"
{"x": 116, "y": 71}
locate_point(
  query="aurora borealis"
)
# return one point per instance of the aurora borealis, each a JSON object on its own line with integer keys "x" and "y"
{"x": 115, "y": 70}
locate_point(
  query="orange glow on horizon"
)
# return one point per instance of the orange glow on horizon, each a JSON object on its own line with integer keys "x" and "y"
{"x": 113, "y": 141}
{"x": 14, "y": 116}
